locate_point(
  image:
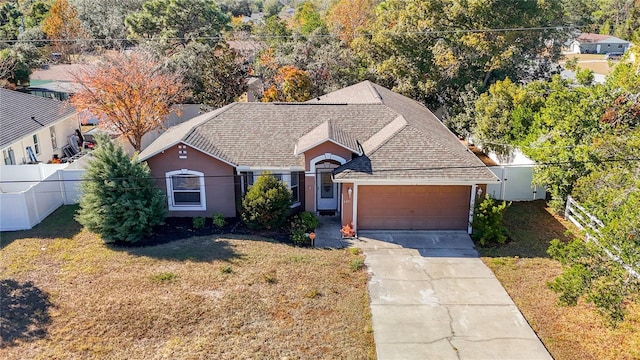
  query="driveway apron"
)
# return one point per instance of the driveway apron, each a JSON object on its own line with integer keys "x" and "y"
{"x": 433, "y": 298}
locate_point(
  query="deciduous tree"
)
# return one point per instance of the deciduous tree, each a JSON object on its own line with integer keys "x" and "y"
{"x": 64, "y": 28}
{"x": 131, "y": 94}
{"x": 346, "y": 17}
{"x": 292, "y": 85}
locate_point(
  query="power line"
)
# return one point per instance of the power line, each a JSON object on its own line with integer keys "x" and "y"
{"x": 433, "y": 168}
{"x": 264, "y": 37}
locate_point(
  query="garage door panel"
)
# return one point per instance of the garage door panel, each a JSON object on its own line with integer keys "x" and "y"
{"x": 413, "y": 207}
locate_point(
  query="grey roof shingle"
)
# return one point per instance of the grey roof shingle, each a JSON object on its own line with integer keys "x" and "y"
{"x": 17, "y": 110}
{"x": 400, "y": 137}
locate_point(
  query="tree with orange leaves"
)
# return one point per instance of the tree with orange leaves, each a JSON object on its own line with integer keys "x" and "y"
{"x": 291, "y": 85}
{"x": 345, "y": 17}
{"x": 131, "y": 94}
{"x": 64, "y": 28}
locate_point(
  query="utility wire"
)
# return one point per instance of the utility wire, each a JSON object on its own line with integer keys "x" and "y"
{"x": 264, "y": 37}
{"x": 547, "y": 164}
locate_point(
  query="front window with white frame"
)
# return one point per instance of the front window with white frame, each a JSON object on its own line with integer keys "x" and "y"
{"x": 186, "y": 190}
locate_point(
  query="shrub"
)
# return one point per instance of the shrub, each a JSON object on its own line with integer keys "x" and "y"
{"x": 266, "y": 204}
{"x": 218, "y": 220}
{"x": 119, "y": 201}
{"x": 301, "y": 225}
{"x": 299, "y": 235}
{"x": 198, "y": 222}
{"x": 309, "y": 221}
{"x": 487, "y": 222}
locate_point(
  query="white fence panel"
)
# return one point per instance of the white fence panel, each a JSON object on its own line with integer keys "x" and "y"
{"x": 13, "y": 212}
{"x": 70, "y": 182}
{"x": 44, "y": 197}
{"x": 579, "y": 216}
{"x": 515, "y": 184}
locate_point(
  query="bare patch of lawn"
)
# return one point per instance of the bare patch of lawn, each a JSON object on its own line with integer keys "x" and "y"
{"x": 214, "y": 297}
{"x": 524, "y": 268}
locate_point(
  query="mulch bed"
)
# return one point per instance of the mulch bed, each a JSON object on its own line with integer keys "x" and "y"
{"x": 179, "y": 228}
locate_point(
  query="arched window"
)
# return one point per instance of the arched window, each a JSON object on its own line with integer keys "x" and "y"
{"x": 185, "y": 190}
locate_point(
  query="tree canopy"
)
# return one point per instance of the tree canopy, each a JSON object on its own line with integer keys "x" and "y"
{"x": 178, "y": 21}
{"x": 131, "y": 94}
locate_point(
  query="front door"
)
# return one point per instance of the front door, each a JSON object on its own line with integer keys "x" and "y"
{"x": 327, "y": 190}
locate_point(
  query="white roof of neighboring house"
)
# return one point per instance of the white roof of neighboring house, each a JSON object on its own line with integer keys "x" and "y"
{"x": 588, "y": 38}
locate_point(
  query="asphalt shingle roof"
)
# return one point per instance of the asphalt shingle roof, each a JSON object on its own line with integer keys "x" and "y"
{"x": 17, "y": 110}
{"x": 400, "y": 137}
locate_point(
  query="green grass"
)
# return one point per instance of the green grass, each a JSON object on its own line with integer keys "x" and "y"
{"x": 523, "y": 267}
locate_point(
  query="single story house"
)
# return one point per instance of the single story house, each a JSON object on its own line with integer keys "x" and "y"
{"x": 34, "y": 128}
{"x": 588, "y": 43}
{"x": 378, "y": 159}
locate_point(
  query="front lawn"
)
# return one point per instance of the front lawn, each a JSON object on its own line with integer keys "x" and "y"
{"x": 524, "y": 268}
{"x": 66, "y": 295}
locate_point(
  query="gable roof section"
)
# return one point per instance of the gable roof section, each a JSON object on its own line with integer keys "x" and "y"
{"x": 327, "y": 131}
{"x": 266, "y": 134}
{"x": 400, "y": 137}
{"x": 175, "y": 134}
{"x": 589, "y": 38}
{"x": 17, "y": 110}
{"x": 440, "y": 156}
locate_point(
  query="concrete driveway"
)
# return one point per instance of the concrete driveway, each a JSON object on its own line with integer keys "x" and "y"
{"x": 433, "y": 298}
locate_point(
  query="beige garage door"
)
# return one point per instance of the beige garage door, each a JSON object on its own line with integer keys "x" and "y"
{"x": 413, "y": 207}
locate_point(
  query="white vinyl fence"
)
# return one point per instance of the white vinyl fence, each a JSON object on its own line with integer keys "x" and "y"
{"x": 29, "y": 193}
{"x": 515, "y": 184}
{"x": 578, "y": 215}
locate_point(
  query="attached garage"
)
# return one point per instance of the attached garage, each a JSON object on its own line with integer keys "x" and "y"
{"x": 413, "y": 207}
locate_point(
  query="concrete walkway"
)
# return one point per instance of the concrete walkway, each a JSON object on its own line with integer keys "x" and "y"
{"x": 328, "y": 233}
{"x": 433, "y": 298}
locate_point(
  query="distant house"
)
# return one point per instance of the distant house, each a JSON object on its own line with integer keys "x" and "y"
{"x": 588, "y": 43}
{"x": 55, "y": 81}
{"x": 34, "y": 128}
{"x": 377, "y": 159}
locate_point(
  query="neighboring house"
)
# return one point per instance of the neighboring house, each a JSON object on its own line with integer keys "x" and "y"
{"x": 588, "y": 43}
{"x": 377, "y": 158}
{"x": 55, "y": 81}
{"x": 34, "y": 128}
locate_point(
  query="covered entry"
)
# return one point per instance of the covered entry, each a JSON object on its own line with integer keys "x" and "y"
{"x": 413, "y": 207}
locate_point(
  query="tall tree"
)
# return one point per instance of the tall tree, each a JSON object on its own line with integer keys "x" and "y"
{"x": 178, "y": 21}
{"x": 346, "y": 17}
{"x": 430, "y": 50}
{"x": 64, "y": 28}
{"x": 132, "y": 94}
{"x": 215, "y": 76}
{"x": 104, "y": 19}
{"x": 307, "y": 19}
{"x": 292, "y": 85}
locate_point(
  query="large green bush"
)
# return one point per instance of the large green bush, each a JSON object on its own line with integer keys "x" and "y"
{"x": 119, "y": 201}
{"x": 266, "y": 204}
{"x": 487, "y": 222}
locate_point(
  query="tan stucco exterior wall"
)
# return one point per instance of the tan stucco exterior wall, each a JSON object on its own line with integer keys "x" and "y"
{"x": 219, "y": 179}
